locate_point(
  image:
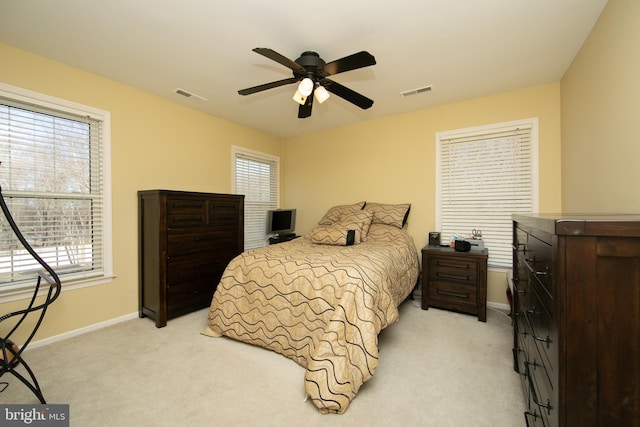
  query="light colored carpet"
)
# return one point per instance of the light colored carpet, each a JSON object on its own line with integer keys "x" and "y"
{"x": 437, "y": 368}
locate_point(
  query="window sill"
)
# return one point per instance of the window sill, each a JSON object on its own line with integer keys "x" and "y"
{"x": 25, "y": 293}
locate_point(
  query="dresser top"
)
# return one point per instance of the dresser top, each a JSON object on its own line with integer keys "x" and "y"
{"x": 178, "y": 193}
{"x": 593, "y": 224}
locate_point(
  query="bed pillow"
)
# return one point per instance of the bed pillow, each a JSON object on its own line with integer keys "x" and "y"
{"x": 389, "y": 214}
{"x": 339, "y": 234}
{"x": 361, "y": 219}
{"x": 335, "y": 213}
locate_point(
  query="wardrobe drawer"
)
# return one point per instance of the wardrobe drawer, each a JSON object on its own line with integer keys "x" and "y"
{"x": 185, "y": 240}
{"x": 186, "y": 212}
{"x": 188, "y": 266}
{"x": 188, "y": 296}
{"x": 224, "y": 212}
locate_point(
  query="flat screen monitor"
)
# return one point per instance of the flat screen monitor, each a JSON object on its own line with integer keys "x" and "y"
{"x": 281, "y": 221}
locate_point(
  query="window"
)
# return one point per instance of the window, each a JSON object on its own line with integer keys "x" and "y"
{"x": 256, "y": 176}
{"x": 53, "y": 174}
{"x": 484, "y": 175}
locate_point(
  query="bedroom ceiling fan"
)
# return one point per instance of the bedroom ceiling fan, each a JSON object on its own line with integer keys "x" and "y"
{"x": 311, "y": 72}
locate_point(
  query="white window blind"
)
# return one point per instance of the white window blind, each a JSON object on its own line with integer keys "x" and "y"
{"x": 52, "y": 179}
{"x": 484, "y": 176}
{"x": 256, "y": 175}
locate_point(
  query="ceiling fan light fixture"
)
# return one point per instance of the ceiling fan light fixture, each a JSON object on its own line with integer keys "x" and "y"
{"x": 306, "y": 86}
{"x": 310, "y": 74}
{"x": 299, "y": 97}
{"x": 321, "y": 94}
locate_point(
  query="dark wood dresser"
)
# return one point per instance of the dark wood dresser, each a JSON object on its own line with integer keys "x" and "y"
{"x": 455, "y": 280}
{"x": 186, "y": 239}
{"x": 577, "y": 318}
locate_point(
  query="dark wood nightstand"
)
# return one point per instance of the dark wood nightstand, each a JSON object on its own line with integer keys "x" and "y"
{"x": 274, "y": 240}
{"x": 455, "y": 280}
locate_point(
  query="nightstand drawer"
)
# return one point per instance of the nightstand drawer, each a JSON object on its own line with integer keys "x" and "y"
{"x": 451, "y": 292}
{"x": 459, "y": 270}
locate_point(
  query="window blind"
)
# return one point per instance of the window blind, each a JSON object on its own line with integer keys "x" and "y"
{"x": 52, "y": 179}
{"x": 484, "y": 176}
{"x": 256, "y": 175}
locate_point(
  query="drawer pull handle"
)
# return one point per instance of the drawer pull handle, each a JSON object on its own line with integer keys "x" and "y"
{"x": 534, "y": 396}
{"x": 516, "y": 286}
{"x": 188, "y": 220}
{"x": 546, "y": 340}
{"x": 444, "y": 264}
{"x": 451, "y": 276}
{"x": 452, "y": 294}
{"x": 187, "y": 205}
{"x": 517, "y": 247}
{"x": 528, "y": 414}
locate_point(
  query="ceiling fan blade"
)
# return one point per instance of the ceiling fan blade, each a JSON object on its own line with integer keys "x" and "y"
{"x": 347, "y": 94}
{"x": 275, "y": 56}
{"x": 305, "y": 110}
{"x": 348, "y": 63}
{"x": 260, "y": 88}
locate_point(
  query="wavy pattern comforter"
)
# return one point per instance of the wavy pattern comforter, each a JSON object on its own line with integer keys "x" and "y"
{"x": 322, "y": 306}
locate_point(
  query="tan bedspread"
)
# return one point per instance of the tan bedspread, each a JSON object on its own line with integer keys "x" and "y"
{"x": 320, "y": 305}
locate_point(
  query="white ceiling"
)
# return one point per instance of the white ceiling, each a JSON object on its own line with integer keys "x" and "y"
{"x": 462, "y": 48}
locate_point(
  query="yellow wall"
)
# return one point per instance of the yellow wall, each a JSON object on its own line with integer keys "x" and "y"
{"x": 154, "y": 144}
{"x": 600, "y": 112}
{"x": 160, "y": 144}
{"x": 392, "y": 160}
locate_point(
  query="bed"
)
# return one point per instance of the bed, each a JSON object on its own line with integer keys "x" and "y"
{"x": 323, "y": 298}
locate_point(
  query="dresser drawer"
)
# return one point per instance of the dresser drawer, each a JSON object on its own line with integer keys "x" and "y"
{"x": 540, "y": 410}
{"x": 224, "y": 212}
{"x": 187, "y": 267}
{"x": 540, "y": 391}
{"x": 188, "y": 296}
{"x": 539, "y": 259}
{"x": 186, "y": 212}
{"x": 521, "y": 333}
{"x": 186, "y": 240}
{"x": 541, "y": 323}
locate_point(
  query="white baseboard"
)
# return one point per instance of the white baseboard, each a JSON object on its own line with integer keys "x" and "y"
{"x": 80, "y": 331}
{"x": 61, "y": 337}
{"x": 499, "y": 306}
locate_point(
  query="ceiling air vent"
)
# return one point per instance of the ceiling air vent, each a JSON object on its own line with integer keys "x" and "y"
{"x": 187, "y": 94}
{"x": 415, "y": 91}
